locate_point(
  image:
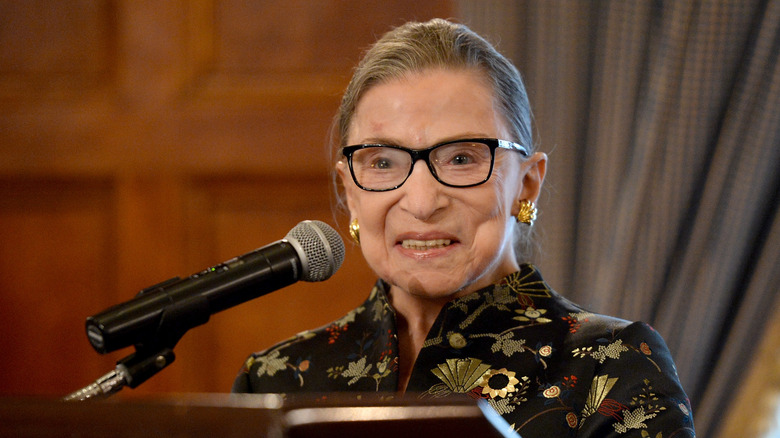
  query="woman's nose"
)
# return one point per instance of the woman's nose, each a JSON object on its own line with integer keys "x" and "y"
{"x": 423, "y": 196}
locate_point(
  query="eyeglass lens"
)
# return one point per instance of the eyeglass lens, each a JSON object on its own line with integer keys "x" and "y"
{"x": 457, "y": 164}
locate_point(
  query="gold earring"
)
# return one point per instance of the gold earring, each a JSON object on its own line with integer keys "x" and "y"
{"x": 527, "y": 213}
{"x": 354, "y": 230}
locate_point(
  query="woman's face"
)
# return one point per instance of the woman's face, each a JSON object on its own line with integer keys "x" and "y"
{"x": 430, "y": 240}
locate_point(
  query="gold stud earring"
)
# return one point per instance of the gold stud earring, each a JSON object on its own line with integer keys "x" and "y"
{"x": 527, "y": 213}
{"x": 354, "y": 230}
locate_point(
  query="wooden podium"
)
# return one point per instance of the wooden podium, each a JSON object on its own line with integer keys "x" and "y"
{"x": 243, "y": 416}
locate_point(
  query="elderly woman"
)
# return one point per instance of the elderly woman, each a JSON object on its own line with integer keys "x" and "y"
{"x": 440, "y": 179}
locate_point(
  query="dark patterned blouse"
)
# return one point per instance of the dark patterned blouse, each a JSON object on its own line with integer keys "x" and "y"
{"x": 546, "y": 365}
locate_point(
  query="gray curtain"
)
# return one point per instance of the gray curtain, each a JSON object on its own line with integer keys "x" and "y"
{"x": 662, "y": 122}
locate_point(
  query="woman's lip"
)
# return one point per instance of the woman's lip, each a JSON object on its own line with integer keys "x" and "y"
{"x": 429, "y": 235}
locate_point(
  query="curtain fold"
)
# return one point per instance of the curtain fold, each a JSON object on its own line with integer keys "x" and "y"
{"x": 662, "y": 119}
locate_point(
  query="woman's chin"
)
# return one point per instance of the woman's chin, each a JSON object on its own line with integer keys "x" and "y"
{"x": 432, "y": 286}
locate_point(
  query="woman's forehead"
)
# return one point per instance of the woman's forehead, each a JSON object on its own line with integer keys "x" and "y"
{"x": 427, "y": 107}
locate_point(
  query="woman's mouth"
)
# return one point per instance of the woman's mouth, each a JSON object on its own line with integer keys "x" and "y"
{"x": 421, "y": 245}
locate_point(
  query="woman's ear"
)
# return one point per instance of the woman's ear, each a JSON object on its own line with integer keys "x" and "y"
{"x": 533, "y": 177}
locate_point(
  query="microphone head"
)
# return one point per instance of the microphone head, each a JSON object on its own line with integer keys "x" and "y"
{"x": 319, "y": 247}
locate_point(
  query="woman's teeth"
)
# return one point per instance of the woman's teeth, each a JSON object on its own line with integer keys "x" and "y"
{"x": 425, "y": 244}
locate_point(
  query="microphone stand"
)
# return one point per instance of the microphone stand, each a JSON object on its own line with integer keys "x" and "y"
{"x": 131, "y": 371}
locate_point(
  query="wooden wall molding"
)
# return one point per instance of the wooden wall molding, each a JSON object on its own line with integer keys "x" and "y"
{"x": 141, "y": 140}
{"x": 56, "y": 50}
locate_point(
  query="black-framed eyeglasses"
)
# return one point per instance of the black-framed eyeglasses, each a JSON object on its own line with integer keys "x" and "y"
{"x": 457, "y": 163}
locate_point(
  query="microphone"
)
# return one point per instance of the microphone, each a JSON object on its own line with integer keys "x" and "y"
{"x": 161, "y": 314}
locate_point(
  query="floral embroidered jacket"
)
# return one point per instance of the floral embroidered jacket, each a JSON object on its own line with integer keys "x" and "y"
{"x": 546, "y": 365}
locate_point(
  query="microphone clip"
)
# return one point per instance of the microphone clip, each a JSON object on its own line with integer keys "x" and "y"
{"x": 152, "y": 355}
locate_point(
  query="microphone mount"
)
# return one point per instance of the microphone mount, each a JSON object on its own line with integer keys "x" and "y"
{"x": 131, "y": 371}
{"x": 152, "y": 355}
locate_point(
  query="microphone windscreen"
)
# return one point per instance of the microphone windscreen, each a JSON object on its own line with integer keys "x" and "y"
{"x": 320, "y": 248}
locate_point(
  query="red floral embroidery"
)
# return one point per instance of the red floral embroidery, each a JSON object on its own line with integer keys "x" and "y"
{"x": 476, "y": 393}
{"x": 525, "y": 301}
{"x": 334, "y": 331}
{"x": 574, "y": 324}
{"x": 389, "y": 350}
{"x": 611, "y": 408}
{"x": 644, "y": 348}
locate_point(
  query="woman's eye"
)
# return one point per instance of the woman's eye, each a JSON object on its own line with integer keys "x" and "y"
{"x": 461, "y": 159}
{"x": 382, "y": 163}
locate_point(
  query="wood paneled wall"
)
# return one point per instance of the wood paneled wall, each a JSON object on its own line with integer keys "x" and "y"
{"x": 141, "y": 140}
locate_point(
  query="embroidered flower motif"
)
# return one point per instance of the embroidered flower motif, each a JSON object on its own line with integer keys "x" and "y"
{"x": 532, "y": 314}
{"x": 575, "y": 320}
{"x": 574, "y": 325}
{"x": 300, "y": 367}
{"x": 684, "y": 408}
{"x": 349, "y": 317}
{"x": 552, "y": 392}
{"x": 611, "y": 351}
{"x": 379, "y": 309}
{"x": 498, "y": 383}
{"x": 633, "y": 420}
{"x": 611, "y": 408}
{"x": 542, "y": 352}
{"x": 525, "y": 301}
{"x": 582, "y": 352}
{"x": 357, "y": 370}
{"x": 648, "y": 399}
{"x": 502, "y": 405}
{"x": 570, "y": 381}
{"x": 388, "y": 351}
{"x": 506, "y": 344}
{"x": 499, "y": 299}
{"x": 571, "y": 420}
{"x": 381, "y": 367}
{"x": 335, "y": 372}
{"x": 271, "y": 363}
{"x": 644, "y": 348}
{"x": 334, "y": 331}
{"x": 581, "y": 316}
